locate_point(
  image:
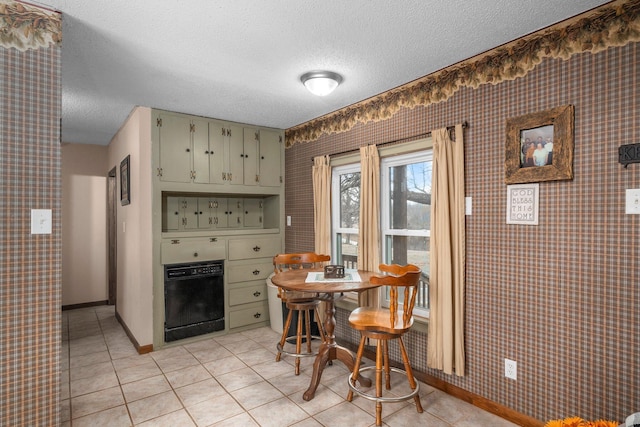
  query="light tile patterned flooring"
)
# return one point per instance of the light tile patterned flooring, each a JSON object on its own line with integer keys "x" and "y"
{"x": 230, "y": 380}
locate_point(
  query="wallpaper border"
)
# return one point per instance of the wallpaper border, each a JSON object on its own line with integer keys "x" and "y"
{"x": 25, "y": 27}
{"x": 614, "y": 24}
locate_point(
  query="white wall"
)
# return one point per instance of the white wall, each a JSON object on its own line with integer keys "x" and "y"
{"x": 84, "y": 224}
{"x": 134, "y": 239}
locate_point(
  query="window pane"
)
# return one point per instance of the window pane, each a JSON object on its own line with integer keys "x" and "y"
{"x": 410, "y": 190}
{"x": 408, "y": 250}
{"x": 349, "y": 200}
{"x": 411, "y": 250}
{"x": 347, "y": 250}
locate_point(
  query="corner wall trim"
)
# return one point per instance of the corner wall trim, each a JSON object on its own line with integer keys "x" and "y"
{"x": 84, "y": 305}
{"x": 141, "y": 349}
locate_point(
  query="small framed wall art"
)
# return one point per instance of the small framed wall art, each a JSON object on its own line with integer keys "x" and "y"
{"x": 523, "y": 203}
{"x": 539, "y": 146}
{"x": 125, "y": 188}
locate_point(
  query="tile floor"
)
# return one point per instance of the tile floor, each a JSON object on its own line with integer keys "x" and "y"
{"x": 231, "y": 380}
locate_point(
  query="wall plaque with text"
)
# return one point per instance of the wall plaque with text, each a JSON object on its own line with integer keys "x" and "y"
{"x": 522, "y": 204}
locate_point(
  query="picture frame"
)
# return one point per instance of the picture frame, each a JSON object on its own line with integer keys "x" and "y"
{"x": 523, "y": 201}
{"x": 528, "y": 138}
{"x": 125, "y": 187}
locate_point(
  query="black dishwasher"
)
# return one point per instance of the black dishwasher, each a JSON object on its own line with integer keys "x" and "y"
{"x": 193, "y": 299}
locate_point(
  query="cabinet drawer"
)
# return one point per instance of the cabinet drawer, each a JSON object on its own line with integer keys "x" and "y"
{"x": 191, "y": 251}
{"x": 246, "y": 295}
{"x": 254, "y": 248}
{"x": 256, "y": 314}
{"x": 244, "y": 273}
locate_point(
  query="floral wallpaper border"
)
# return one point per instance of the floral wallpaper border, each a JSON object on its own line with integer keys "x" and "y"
{"x": 614, "y": 24}
{"x": 25, "y": 27}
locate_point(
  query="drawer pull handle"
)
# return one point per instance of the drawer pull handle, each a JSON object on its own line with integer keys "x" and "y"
{"x": 256, "y": 272}
{"x": 256, "y": 248}
{"x": 257, "y": 315}
{"x": 214, "y": 239}
{"x": 256, "y": 294}
{"x": 175, "y": 242}
{"x": 195, "y": 254}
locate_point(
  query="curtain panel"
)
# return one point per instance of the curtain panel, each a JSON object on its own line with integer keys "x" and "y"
{"x": 369, "y": 223}
{"x": 445, "y": 350}
{"x": 322, "y": 204}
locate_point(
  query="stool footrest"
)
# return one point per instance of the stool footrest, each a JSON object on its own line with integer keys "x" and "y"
{"x": 383, "y": 399}
{"x": 293, "y": 353}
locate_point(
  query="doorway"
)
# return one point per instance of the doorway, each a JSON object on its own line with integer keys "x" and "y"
{"x": 112, "y": 235}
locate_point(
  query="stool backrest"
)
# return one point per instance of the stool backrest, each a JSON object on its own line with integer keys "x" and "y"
{"x": 282, "y": 262}
{"x": 407, "y": 277}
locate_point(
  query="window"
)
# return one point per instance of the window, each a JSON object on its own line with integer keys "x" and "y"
{"x": 345, "y": 188}
{"x": 405, "y": 216}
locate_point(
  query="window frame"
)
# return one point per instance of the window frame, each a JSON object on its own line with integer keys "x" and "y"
{"x": 386, "y": 231}
{"x": 350, "y": 163}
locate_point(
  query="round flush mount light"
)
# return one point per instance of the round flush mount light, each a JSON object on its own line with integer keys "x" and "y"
{"x": 321, "y": 83}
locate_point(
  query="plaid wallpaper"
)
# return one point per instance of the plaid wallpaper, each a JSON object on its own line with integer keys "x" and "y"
{"x": 561, "y": 298}
{"x": 30, "y": 289}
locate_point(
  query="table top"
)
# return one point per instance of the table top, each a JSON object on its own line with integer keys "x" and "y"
{"x": 294, "y": 280}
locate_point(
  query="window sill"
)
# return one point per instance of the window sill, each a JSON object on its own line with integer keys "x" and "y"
{"x": 420, "y": 324}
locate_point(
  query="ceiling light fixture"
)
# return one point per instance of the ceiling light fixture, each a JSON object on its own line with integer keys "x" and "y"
{"x": 321, "y": 83}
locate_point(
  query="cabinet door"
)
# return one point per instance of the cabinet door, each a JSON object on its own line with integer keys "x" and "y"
{"x": 235, "y": 212}
{"x": 191, "y": 213}
{"x": 200, "y": 137}
{"x": 205, "y": 213}
{"x": 173, "y": 215}
{"x": 220, "y": 216}
{"x": 217, "y": 152}
{"x": 252, "y": 212}
{"x": 234, "y": 165}
{"x": 250, "y": 160}
{"x": 270, "y": 150}
{"x": 175, "y": 148}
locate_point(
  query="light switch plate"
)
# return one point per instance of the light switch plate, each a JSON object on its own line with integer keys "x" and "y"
{"x": 468, "y": 205}
{"x": 40, "y": 221}
{"x": 289, "y": 220}
{"x": 633, "y": 201}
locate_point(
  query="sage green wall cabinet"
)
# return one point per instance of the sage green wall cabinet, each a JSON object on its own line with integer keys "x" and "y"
{"x": 179, "y": 138}
{"x": 270, "y": 167}
{"x": 221, "y": 156}
{"x": 217, "y": 194}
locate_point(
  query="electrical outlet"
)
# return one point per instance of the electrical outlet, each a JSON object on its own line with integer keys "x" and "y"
{"x": 511, "y": 369}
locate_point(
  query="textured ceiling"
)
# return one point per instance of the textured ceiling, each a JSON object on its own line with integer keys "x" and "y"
{"x": 241, "y": 60}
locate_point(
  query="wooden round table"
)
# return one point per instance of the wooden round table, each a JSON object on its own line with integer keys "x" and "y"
{"x": 295, "y": 280}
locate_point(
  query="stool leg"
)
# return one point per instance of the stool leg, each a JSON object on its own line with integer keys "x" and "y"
{"x": 387, "y": 367}
{"x": 285, "y": 331}
{"x": 379, "y": 381}
{"x": 410, "y": 377}
{"x": 307, "y": 319}
{"x": 298, "y": 342}
{"x": 356, "y": 367}
{"x": 320, "y": 325}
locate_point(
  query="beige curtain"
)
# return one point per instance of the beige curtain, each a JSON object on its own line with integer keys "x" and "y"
{"x": 322, "y": 210}
{"x": 322, "y": 204}
{"x": 447, "y": 255}
{"x": 369, "y": 227}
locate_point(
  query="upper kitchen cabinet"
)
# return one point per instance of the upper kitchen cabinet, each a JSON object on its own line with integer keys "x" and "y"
{"x": 218, "y": 161}
{"x": 270, "y": 162}
{"x": 214, "y": 153}
{"x": 174, "y": 145}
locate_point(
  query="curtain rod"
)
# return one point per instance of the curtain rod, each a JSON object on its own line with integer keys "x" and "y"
{"x": 382, "y": 144}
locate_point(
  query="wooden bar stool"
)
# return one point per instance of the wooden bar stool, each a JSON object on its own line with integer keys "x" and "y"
{"x": 384, "y": 324}
{"x": 302, "y": 303}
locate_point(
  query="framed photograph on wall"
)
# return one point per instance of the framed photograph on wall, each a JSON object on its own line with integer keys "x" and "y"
{"x": 539, "y": 146}
{"x": 125, "y": 188}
